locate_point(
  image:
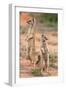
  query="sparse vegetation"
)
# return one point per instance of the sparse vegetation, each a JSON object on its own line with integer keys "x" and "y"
{"x": 48, "y": 17}
{"x": 53, "y": 57}
{"x": 53, "y": 60}
{"x": 36, "y": 72}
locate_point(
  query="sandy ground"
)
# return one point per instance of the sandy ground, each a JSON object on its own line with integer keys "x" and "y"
{"x": 27, "y": 66}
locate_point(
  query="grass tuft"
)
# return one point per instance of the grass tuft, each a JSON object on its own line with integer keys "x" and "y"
{"x": 36, "y": 72}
